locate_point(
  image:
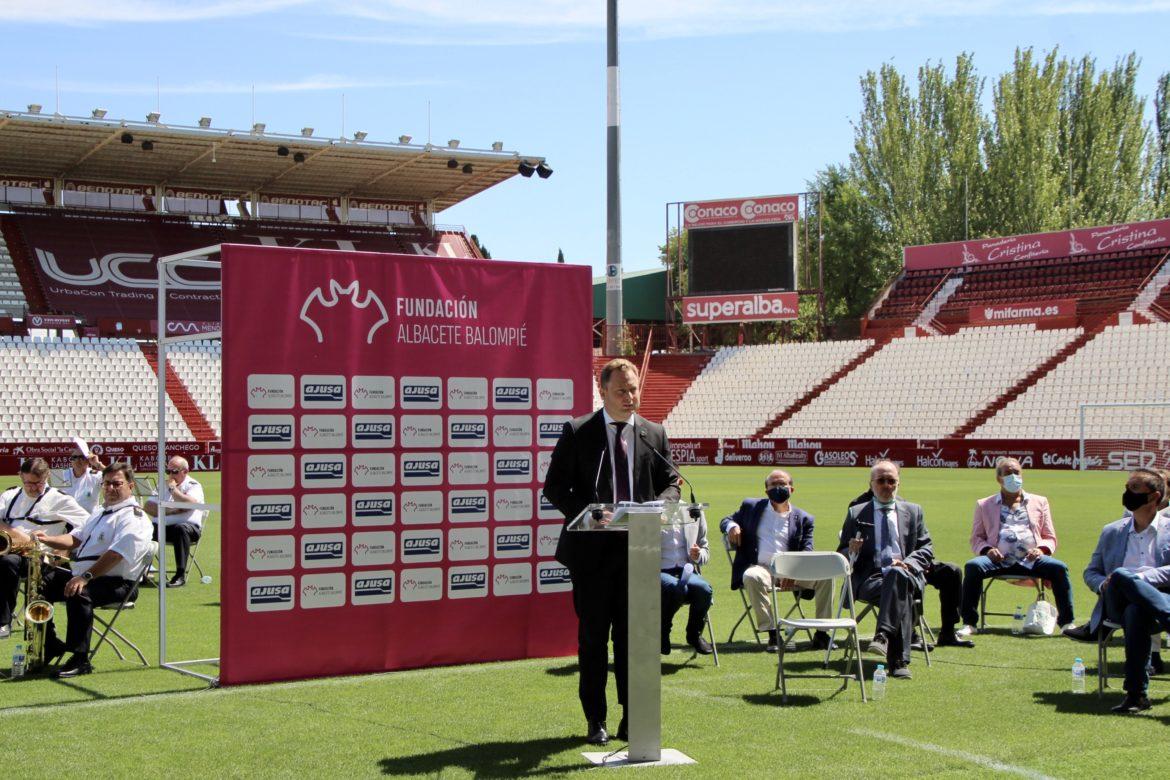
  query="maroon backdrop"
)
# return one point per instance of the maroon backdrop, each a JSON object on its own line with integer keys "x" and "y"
{"x": 387, "y": 427}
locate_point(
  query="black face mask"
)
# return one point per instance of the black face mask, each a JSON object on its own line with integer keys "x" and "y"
{"x": 1134, "y": 501}
{"x": 779, "y": 494}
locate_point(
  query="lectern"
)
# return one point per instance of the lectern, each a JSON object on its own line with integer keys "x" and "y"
{"x": 642, "y": 524}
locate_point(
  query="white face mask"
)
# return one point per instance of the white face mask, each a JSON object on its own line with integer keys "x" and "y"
{"x": 1012, "y": 483}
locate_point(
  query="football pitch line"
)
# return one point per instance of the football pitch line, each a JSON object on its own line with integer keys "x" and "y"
{"x": 971, "y": 758}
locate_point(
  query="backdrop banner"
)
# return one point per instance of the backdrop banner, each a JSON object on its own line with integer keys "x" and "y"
{"x": 388, "y": 423}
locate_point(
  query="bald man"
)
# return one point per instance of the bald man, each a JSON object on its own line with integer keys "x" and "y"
{"x": 184, "y": 527}
{"x": 759, "y": 529}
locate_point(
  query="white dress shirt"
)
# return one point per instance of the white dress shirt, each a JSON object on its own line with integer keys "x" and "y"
{"x": 85, "y": 490}
{"x": 192, "y": 489}
{"x": 123, "y": 528}
{"x": 52, "y": 511}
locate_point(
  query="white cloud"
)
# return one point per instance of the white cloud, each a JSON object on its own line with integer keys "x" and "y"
{"x": 438, "y": 22}
{"x": 304, "y": 84}
{"x": 143, "y": 11}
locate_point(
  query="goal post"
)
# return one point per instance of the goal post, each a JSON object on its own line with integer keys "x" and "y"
{"x": 1124, "y": 436}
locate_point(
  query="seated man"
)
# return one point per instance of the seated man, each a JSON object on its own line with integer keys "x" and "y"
{"x": 33, "y": 506}
{"x": 891, "y": 551}
{"x": 684, "y": 552}
{"x": 948, "y": 581}
{"x": 109, "y": 554}
{"x": 184, "y": 527}
{"x": 83, "y": 480}
{"x": 1130, "y": 569}
{"x": 759, "y": 529}
{"x": 1012, "y": 533}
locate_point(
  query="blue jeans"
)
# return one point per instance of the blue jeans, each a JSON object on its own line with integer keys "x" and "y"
{"x": 698, "y": 593}
{"x": 1044, "y": 568}
{"x": 1143, "y": 610}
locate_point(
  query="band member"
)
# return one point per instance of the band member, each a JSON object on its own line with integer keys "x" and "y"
{"x": 32, "y": 506}
{"x": 184, "y": 526}
{"x": 609, "y": 456}
{"x": 109, "y": 553}
{"x": 83, "y": 479}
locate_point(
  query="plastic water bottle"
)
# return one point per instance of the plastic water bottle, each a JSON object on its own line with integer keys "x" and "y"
{"x": 1078, "y": 670}
{"x": 18, "y": 660}
{"x": 1018, "y": 621}
{"x": 879, "y": 682}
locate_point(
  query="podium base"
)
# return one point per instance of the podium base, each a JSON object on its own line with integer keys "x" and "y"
{"x": 621, "y": 758}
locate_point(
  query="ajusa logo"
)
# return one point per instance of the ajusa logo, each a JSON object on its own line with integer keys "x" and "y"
{"x": 513, "y": 395}
{"x": 421, "y": 468}
{"x": 270, "y": 513}
{"x": 469, "y": 505}
{"x": 513, "y": 467}
{"x": 518, "y": 542}
{"x": 421, "y": 546}
{"x": 468, "y": 581}
{"x": 271, "y": 434}
{"x": 554, "y": 575}
{"x": 382, "y": 431}
{"x": 420, "y": 393}
{"x": 375, "y": 508}
{"x": 373, "y": 586}
{"x": 549, "y": 432}
{"x": 324, "y": 392}
{"x": 324, "y": 551}
{"x": 469, "y": 431}
{"x": 324, "y": 470}
{"x": 270, "y": 594}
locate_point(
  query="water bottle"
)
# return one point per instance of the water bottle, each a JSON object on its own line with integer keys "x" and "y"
{"x": 879, "y": 682}
{"x": 1018, "y": 620}
{"x": 18, "y": 660}
{"x": 1078, "y": 670}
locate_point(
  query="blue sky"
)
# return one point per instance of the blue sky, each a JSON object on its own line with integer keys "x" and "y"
{"x": 720, "y": 98}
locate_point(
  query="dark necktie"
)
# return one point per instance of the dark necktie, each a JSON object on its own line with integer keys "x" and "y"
{"x": 621, "y": 465}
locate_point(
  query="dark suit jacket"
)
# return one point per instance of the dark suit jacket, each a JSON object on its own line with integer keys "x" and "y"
{"x": 573, "y": 483}
{"x": 747, "y": 517}
{"x": 913, "y": 538}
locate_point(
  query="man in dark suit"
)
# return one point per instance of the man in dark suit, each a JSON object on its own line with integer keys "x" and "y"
{"x": 759, "y": 529}
{"x": 891, "y": 548}
{"x": 609, "y": 456}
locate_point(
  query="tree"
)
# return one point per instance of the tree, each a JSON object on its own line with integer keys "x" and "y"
{"x": 560, "y": 255}
{"x": 1160, "y": 150}
{"x": 483, "y": 250}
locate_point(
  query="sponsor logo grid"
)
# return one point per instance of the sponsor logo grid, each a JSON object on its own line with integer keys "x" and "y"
{"x": 391, "y": 494}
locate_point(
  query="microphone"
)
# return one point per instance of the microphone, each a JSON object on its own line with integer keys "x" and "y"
{"x": 695, "y": 511}
{"x": 597, "y": 513}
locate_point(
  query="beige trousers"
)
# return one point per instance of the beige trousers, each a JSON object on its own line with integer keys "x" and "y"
{"x": 757, "y": 582}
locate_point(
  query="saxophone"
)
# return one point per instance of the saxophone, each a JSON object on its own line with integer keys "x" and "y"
{"x": 38, "y": 610}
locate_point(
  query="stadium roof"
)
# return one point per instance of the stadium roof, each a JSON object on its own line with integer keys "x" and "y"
{"x": 236, "y": 162}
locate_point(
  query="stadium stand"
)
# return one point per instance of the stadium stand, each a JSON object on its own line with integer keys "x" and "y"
{"x": 1113, "y": 367}
{"x": 198, "y": 365}
{"x": 667, "y": 379}
{"x": 96, "y": 389}
{"x": 12, "y": 302}
{"x": 925, "y": 387}
{"x": 743, "y": 387}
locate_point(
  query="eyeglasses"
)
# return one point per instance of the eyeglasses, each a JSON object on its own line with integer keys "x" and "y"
{"x": 76, "y": 457}
{"x": 33, "y": 482}
{"x": 174, "y": 471}
{"x": 886, "y": 480}
{"x": 116, "y": 484}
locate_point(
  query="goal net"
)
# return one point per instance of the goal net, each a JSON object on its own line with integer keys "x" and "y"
{"x": 1125, "y": 436}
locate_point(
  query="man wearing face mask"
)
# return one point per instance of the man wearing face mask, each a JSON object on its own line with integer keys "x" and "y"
{"x": 1012, "y": 533}
{"x": 1130, "y": 570}
{"x": 759, "y": 529}
{"x": 891, "y": 550}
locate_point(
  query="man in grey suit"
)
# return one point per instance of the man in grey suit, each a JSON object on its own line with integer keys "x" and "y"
{"x": 1130, "y": 569}
{"x": 608, "y": 456}
{"x": 684, "y": 552}
{"x": 891, "y": 551}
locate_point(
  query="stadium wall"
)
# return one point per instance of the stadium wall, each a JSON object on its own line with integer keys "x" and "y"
{"x": 203, "y": 456}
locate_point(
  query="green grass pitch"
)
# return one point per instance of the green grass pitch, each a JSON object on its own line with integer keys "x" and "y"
{"x": 1003, "y": 708}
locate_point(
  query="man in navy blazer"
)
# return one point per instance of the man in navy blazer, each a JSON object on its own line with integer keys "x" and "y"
{"x": 891, "y": 551}
{"x": 609, "y": 456}
{"x": 759, "y": 529}
{"x": 1130, "y": 569}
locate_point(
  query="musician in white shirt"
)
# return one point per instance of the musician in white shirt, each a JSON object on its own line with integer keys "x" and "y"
{"x": 184, "y": 527}
{"x": 83, "y": 479}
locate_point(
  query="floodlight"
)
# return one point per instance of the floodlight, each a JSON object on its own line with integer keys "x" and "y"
{"x": 127, "y": 138}
{"x": 307, "y": 132}
{"x": 360, "y": 136}
{"x": 543, "y": 171}
{"x": 526, "y": 169}
{"x": 467, "y": 168}
{"x": 99, "y": 113}
{"x": 205, "y": 122}
{"x": 452, "y": 163}
{"x": 34, "y": 108}
{"x": 153, "y": 117}
{"x": 404, "y": 139}
{"x": 497, "y": 146}
{"x": 258, "y": 128}
{"x": 282, "y": 151}
{"x": 453, "y": 143}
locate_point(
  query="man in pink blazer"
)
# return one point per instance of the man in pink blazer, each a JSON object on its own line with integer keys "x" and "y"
{"x": 1012, "y": 533}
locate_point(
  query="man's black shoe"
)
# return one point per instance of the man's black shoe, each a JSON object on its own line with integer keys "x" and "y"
{"x": 77, "y": 664}
{"x": 820, "y": 641}
{"x": 1081, "y": 633}
{"x": 950, "y": 640}
{"x": 1131, "y": 704}
{"x": 597, "y": 733}
{"x": 701, "y": 645}
{"x": 878, "y": 646}
{"x": 623, "y": 733}
{"x": 178, "y": 581}
{"x": 772, "y": 646}
{"x": 916, "y": 643}
{"x": 901, "y": 672}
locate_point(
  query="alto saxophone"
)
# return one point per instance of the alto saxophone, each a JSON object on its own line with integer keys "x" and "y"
{"x": 38, "y": 610}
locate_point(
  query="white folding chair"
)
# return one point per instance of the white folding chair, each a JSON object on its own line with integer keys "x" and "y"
{"x": 813, "y": 566}
{"x": 728, "y": 547}
{"x": 1019, "y": 580}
